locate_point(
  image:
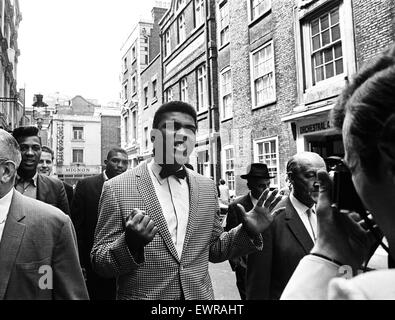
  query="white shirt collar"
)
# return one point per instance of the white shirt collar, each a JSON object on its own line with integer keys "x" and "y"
{"x": 5, "y": 204}
{"x": 299, "y": 206}
{"x": 155, "y": 169}
{"x": 105, "y": 177}
{"x": 253, "y": 200}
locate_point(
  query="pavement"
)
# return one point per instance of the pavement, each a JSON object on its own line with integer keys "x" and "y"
{"x": 224, "y": 281}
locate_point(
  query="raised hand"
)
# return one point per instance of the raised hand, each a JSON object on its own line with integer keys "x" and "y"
{"x": 341, "y": 234}
{"x": 260, "y": 217}
{"x": 140, "y": 230}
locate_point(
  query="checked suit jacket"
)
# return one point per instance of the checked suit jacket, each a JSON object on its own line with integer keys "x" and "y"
{"x": 161, "y": 274}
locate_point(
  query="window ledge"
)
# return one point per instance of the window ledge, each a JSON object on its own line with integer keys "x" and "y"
{"x": 265, "y": 104}
{"x": 77, "y": 140}
{"x": 224, "y": 46}
{"x": 226, "y": 119}
{"x": 200, "y": 112}
{"x": 154, "y": 100}
{"x": 263, "y": 14}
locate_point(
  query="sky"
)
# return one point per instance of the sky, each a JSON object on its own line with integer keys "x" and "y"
{"x": 73, "y": 46}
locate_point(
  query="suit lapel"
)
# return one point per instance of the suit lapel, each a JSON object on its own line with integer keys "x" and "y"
{"x": 148, "y": 194}
{"x": 11, "y": 240}
{"x": 297, "y": 227}
{"x": 193, "y": 208}
{"x": 42, "y": 188}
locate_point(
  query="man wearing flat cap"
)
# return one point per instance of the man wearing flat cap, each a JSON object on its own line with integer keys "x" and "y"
{"x": 258, "y": 180}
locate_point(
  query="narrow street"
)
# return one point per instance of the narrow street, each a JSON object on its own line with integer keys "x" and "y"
{"x": 224, "y": 281}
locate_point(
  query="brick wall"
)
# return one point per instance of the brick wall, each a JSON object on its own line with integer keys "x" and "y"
{"x": 110, "y": 134}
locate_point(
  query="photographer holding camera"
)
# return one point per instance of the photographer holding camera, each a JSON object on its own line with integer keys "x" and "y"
{"x": 365, "y": 112}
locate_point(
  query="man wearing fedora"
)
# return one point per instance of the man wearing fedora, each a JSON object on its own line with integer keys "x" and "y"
{"x": 258, "y": 180}
{"x": 292, "y": 233}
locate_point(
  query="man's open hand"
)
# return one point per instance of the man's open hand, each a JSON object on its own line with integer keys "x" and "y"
{"x": 259, "y": 218}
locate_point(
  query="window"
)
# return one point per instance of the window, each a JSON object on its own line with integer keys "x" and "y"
{"x": 125, "y": 64}
{"x": 133, "y": 53}
{"x": 134, "y": 123}
{"x": 145, "y": 96}
{"x": 266, "y": 151}
{"x": 224, "y": 23}
{"x": 184, "y": 90}
{"x": 230, "y": 167}
{"x": 145, "y": 138}
{"x": 226, "y": 94}
{"x": 154, "y": 89}
{"x": 166, "y": 43}
{"x": 169, "y": 95}
{"x": 263, "y": 82}
{"x": 259, "y": 7}
{"x": 203, "y": 163}
{"x": 181, "y": 28}
{"x": 126, "y": 128}
{"x": 201, "y": 88}
{"x": 134, "y": 84}
{"x": 125, "y": 92}
{"x": 78, "y": 133}
{"x": 199, "y": 12}
{"x": 326, "y": 44}
{"x": 78, "y": 156}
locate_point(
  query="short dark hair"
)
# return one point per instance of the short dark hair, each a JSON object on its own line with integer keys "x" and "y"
{"x": 48, "y": 150}
{"x": 221, "y": 181}
{"x": 115, "y": 150}
{"x": 27, "y": 131}
{"x": 369, "y": 102}
{"x": 173, "y": 106}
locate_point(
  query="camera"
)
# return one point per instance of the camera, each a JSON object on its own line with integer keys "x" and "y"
{"x": 344, "y": 194}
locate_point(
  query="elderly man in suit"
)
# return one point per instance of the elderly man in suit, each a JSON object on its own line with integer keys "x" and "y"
{"x": 45, "y": 166}
{"x": 84, "y": 214}
{"x": 291, "y": 235}
{"x": 38, "y": 247}
{"x": 258, "y": 180}
{"x": 159, "y": 224}
{"x": 28, "y": 182}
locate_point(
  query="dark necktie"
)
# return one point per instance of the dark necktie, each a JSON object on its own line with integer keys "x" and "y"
{"x": 168, "y": 171}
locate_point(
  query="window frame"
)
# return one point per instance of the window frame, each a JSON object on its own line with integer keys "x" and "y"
{"x": 223, "y": 93}
{"x": 223, "y": 29}
{"x": 230, "y": 183}
{"x": 274, "y": 183}
{"x": 198, "y": 5}
{"x": 72, "y": 155}
{"x": 184, "y": 90}
{"x": 166, "y": 43}
{"x": 181, "y": 28}
{"x": 201, "y": 82}
{"x": 73, "y": 130}
{"x": 269, "y": 100}
{"x": 250, "y": 7}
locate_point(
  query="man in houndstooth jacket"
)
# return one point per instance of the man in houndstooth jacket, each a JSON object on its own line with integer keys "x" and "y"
{"x": 158, "y": 224}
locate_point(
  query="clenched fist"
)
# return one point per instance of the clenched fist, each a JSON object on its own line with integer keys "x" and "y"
{"x": 140, "y": 230}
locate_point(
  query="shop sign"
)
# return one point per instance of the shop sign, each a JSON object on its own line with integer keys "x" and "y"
{"x": 319, "y": 126}
{"x": 72, "y": 170}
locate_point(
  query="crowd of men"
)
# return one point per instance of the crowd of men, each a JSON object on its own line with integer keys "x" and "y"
{"x": 150, "y": 232}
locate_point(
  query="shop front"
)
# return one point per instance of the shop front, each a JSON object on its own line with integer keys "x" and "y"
{"x": 71, "y": 174}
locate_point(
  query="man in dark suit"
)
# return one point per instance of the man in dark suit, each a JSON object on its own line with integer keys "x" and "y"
{"x": 258, "y": 180}
{"x": 28, "y": 181}
{"x": 45, "y": 166}
{"x": 159, "y": 223}
{"x": 291, "y": 235}
{"x": 38, "y": 247}
{"x": 84, "y": 213}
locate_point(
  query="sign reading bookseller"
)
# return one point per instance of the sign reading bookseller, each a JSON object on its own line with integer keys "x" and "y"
{"x": 319, "y": 126}
{"x": 78, "y": 170}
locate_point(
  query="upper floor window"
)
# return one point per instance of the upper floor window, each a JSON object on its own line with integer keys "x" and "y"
{"x": 146, "y": 138}
{"x": 201, "y": 88}
{"x": 259, "y": 7}
{"x": 78, "y": 156}
{"x": 199, "y": 12}
{"x": 145, "y": 96}
{"x": 224, "y": 23}
{"x": 226, "y": 94}
{"x": 169, "y": 95}
{"x": 133, "y": 53}
{"x": 263, "y": 80}
{"x": 134, "y": 84}
{"x": 125, "y": 91}
{"x": 180, "y": 4}
{"x": 78, "y": 133}
{"x": 125, "y": 63}
{"x": 166, "y": 43}
{"x": 154, "y": 85}
{"x": 134, "y": 125}
{"x": 184, "y": 90}
{"x": 126, "y": 128}
{"x": 326, "y": 45}
{"x": 181, "y": 28}
{"x": 230, "y": 167}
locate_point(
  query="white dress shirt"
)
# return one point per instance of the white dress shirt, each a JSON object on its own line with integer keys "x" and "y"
{"x": 173, "y": 196}
{"x": 5, "y": 203}
{"x": 311, "y": 226}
